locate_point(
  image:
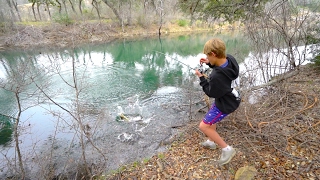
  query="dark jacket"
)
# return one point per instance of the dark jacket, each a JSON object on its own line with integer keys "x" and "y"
{"x": 218, "y": 85}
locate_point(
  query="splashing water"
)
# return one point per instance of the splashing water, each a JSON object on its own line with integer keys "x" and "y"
{"x": 132, "y": 115}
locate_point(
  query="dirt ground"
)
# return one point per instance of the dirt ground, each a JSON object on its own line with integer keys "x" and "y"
{"x": 277, "y": 137}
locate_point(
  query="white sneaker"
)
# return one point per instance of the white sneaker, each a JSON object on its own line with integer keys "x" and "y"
{"x": 209, "y": 145}
{"x": 226, "y": 156}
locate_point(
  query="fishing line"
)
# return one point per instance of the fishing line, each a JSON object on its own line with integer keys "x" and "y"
{"x": 200, "y": 68}
{"x": 176, "y": 60}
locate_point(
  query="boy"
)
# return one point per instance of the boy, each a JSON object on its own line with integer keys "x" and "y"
{"x": 225, "y": 69}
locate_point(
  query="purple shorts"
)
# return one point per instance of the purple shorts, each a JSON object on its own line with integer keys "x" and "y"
{"x": 214, "y": 115}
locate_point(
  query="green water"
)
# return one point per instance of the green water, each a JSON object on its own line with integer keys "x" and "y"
{"x": 130, "y": 74}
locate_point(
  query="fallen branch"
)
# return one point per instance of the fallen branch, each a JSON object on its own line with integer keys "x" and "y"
{"x": 245, "y": 113}
{"x": 304, "y": 130}
{"x": 291, "y": 115}
{"x": 282, "y": 77}
{"x": 201, "y": 158}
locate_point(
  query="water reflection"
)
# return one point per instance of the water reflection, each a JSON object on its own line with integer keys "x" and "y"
{"x": 147, "y": 85}
{"x": 258, "y": 69}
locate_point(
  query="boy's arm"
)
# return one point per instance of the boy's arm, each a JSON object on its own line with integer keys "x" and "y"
{"x": 213, "y": 87}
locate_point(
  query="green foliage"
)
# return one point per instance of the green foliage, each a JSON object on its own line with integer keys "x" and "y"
{"x": 6, "y": 26}
{"x": 182, "y": 22}
{"x": 161, "y": 156}
{"x": 311, "y": 5}
{"x": 230, "y": 10}
{"x": 119, "y": 170}
{"x": 2, "y": 27}
{"x": 62, "y": 19}
{"x": 312, "y": 35}
{"x": 135, "y": 164}
{"x": 317, "y": 61}
{"x": 146, "y": 160}
{"x": 34, "y": 23}
{"x": 87, "y": 13}
{"x": 6, "y": 130}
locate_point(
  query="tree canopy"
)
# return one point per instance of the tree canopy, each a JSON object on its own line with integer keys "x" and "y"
{"x": 230, "y": 10}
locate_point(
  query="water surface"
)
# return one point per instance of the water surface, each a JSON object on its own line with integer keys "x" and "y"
{"x": 147, "y": 80}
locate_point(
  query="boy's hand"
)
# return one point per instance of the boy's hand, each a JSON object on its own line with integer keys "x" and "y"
{"x": 204, "y": 60}
{"x": 199, "y": 74}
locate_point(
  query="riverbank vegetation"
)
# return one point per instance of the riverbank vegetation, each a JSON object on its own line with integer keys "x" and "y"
{"x": 276, "y": 135}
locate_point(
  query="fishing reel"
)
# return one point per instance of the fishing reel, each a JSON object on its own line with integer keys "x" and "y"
{"x": 201, "y": 69}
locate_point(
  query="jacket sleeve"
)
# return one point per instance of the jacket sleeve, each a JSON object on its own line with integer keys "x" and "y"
{"x": 214, "y": 87}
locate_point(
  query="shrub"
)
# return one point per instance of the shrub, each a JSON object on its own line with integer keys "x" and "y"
{"x": 62, "y": 19}
{"x": 88, "y": 14}
{"x": 182, "y": 22}
{"x": 317, "y": 61}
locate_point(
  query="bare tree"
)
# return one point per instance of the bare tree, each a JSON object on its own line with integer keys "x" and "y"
{"x": 280, "y": 36}
{"x": 33, "y": 10}
{"x": 191, "y": 8}
{"x": 38, "y": 9}
{"x": 75, "y": 109}
{"x": 59, "y": 6}
{"x": 95, "y": 4}
{"x": 80, "y": 6}
{"x": 15, "y": 5}
{"x": 113, "y": 4}
{"x": 48, "y": 3}
{"x": 18, "y": 82}
{"x": 160, "y": 11}
{"x": 129, "y": 16}
{"x": 65, "y": 7}
{"x": 192, "y": 11}
{"x": 11, "y": 9}
{"x": 72, "y": 7}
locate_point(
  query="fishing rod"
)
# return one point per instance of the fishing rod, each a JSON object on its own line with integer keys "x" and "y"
{"x": 200, "y": 68}
{"x": 176, "y": 60}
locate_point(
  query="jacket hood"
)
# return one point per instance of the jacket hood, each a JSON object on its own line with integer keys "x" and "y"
{"x": 232, "y": 70}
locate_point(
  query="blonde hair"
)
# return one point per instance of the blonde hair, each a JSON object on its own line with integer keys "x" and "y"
{"x": 217, "y": 46}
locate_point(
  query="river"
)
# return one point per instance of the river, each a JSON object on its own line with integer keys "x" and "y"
{"x": 64, "y": 92}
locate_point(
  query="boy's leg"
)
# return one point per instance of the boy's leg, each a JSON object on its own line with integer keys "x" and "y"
{"x": 208, "y": 126}
{"x": 227, "y": 151}
{"x": 214, "y": 127}
{"x": 210, "y": 131}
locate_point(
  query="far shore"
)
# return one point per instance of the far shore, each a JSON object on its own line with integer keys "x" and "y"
{"x": 58, "y": 36}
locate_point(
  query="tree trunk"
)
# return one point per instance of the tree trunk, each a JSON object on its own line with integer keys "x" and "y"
{"x": 129, "y": 19}
{"x": 145, "y": 4}
{"x": 16, "y": 136}
{"x": 192, "y": 10}
{"x": 161, "y": 14}
{"x": 114, "y": 10}
{"x": 65, "y": 7}
{"x": 80, "y": 4}
{"x": 15, "y": 4}
{"x": 13, "y": 16}
{"x": 59, "y": 6}
{"x": 34, "y": 12}
{"x": 38, "y": 9}
{"x": 48, "y": 9}
{"x": 72, "y": 7}
{"x": 95, "y": 5}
